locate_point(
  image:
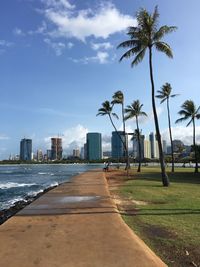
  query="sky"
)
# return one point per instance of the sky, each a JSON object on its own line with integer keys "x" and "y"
{"x": 59, "y": 63}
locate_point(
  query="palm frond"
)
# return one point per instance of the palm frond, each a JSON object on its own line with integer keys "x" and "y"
{"x": 163, "y": 31}
{"x": 174, "y": 95}
{"x": 189, "y": 122}
{"x": 164, "y": 99}
{"x": 164, "y": 47}
{"x": 138, "y": 58}
{"x": 181, "y": 120}
{"x": 115, "y": 115}
{"x": 129, "y": 43}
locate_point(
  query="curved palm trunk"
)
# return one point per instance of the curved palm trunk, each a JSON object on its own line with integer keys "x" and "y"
{"x": 139, "y": 145}
{"x": 124, "y": 145}
{"x": 165, "y": 179}
{"x": 195, "y": 149}
{"x": 170, "y": 134}
{"x": 126, "y": 141}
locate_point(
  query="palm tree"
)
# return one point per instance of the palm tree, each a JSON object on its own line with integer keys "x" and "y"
{"x": 164, "y": 94}
{"x": 146, "y": 36}
{"x": 190, "y": 112}
{"x": 106, "y": 109}
{"x": 135, "y": 111}
{"x": 118, "y": 98}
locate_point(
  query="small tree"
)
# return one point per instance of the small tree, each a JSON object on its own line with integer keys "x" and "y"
{"x": 164, "y": 94}
{"x": 135, "y": 111}
{"x": 190, "y": 112}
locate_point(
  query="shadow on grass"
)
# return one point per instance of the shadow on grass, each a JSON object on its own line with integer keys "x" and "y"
{"x": 161, "y": 212}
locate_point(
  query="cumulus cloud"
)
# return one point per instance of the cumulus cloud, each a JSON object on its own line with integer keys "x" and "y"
{"x": 101, "y": 57}
{"x": 105, "y": 46}
{"x": 185, "y": 134}
{"x": 72, "y": 138}
{"x": 18, "y": 32}
{"x": 40, "y": 30}
{"x": 4, "y": 43}
{"x": 103, "y": 21}
{"x": 58, "y": 47}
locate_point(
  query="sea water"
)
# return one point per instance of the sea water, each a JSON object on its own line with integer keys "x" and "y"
{"x": 17, "y": 182}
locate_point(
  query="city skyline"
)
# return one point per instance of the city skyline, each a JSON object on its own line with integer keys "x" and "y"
{"x": 54, "y": 77}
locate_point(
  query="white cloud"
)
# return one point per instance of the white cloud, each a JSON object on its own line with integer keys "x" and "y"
{"x": 105, "y": 45}
{"x": 4, "y": 137}
{"x": 101, "y": 57}
{"x": 18, "y": 32}
{"x": 40, "y": 30}
{"x": 80, "y": 24}
{"x": 74, "y": 137}
{"x": 4, "y": 43}
{"x": 58, "y": 47}
{"x": 185, "y": 134}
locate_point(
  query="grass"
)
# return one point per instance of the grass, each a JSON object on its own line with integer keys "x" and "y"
{"x": 169, "y": 222}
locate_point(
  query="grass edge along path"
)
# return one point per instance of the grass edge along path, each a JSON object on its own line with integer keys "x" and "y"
{"x": 167, "y": 219}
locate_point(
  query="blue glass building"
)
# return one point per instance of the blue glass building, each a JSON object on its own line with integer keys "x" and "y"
{"x": 26, "y": 149}
{"x": 94, "y": 146}
{"x": 118, "y": 150}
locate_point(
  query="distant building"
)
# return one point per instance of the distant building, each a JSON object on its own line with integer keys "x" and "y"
{"x": 56, "y": 148}
{"x": 85, "y": 150}
{"x": 118, "y": 150}
{"x": 136, "y": 147}
{"x": 48, "y": 154}
{"x": 154, "y": 146}
{"x": 147, "y": 149}
{"x": 94, "y": 146}
{"x": 26, "y": 149}
{"x": 82, "y": 153}
{"x": 39, "y": 155}
{"x": 76, "y": 153}
{"x": 164, "y": 146}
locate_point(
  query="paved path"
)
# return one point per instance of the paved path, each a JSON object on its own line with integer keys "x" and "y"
{"x": 74, "y": 225}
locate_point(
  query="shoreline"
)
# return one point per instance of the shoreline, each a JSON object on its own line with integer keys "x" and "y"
{"x": 5, "y": 214}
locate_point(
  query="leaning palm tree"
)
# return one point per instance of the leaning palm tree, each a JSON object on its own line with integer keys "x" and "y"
{"x": 135, "y": 111}
{"x": 190, "y": 112}
{"x": 106, "y": 109}
{"x": 118, "y": 98}
{"x": 146, "y": 36}
{"x": 164, "y": 94}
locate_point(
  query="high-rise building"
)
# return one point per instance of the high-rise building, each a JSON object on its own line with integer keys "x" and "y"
{"x": 164, "y": 145}
{"x": 147, "y": 149}
{"x": 154, "y": 146}
{"x": 94, "y": 146}
{"x": 118, "y": 150}
{"x": 39, "y": 155}
{"x": 136, "y": 147}
{"x": 76, "y": 153}
{"x": 56, "y": 148}
{"x": 26, "y": 149}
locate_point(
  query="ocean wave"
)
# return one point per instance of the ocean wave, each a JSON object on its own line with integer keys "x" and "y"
{"x": 12, "y": 185}
{"x": 54, "y": 184}
{"x": 35, "y": 193}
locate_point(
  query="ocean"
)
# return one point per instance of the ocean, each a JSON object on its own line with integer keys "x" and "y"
{"x": 17, "y": 182}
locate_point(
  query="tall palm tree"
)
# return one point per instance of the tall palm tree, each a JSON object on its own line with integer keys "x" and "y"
{"x": 106, "y": 109}
{"x": 164, "y": 94}
{"x": 146, "y": 36}
{"x": 135, "y": 111}
{"x": 190, "y": 112}
{"x": 118, "y": 98}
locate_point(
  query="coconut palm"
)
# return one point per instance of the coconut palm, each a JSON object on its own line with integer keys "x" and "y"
{"x": 135, "y": 111}
{"x": 146, "y": 36}
{"x": 107, "y": 109}
{"x": 190, "y": 112}
{"x": 118, "y": 98}
{"x": 164, "y": 94}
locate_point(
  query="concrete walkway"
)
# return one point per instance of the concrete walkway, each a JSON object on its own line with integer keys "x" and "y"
{"x": 74, "y": 225}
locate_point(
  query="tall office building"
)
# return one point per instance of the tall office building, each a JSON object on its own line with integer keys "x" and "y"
{"x": 136, "y": 147}
{"x": 94, "y": 146}
{"x": 39, "y": 155}
{"x": 76, "y": 153}
{"x": 118, "y": 150}
{"x": 154, "y": 146}
{"x": 26, "y": 149}
{"x": 56, "y": 148}
{"x": 147, "y": 149}
{"x": 164, "y": 145}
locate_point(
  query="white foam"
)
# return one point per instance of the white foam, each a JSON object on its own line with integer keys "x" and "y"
{"x": 12, "y": 185}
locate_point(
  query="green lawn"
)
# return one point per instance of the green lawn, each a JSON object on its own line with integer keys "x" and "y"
{"x": 170, "y": 220}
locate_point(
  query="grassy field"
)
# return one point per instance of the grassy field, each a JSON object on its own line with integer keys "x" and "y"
{"x": 167, "y": 219}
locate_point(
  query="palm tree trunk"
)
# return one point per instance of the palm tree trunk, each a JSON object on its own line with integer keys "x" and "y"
{"x": 195, "y": 149}
{"x": 124, "y": 145}
{"x": 165, "y": 179}
{"x": 126, "y": 139}
{"x": 170, "y": 135}
{"x": 139, "y": 145}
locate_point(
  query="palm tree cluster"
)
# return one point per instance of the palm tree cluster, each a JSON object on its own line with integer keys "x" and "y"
{"x": 144, "y": 38}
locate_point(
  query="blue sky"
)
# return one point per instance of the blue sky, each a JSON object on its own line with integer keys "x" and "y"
{"x": 59, "y": 62}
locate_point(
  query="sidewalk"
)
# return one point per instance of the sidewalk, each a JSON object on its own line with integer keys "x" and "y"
{"x": 74, "y": 225}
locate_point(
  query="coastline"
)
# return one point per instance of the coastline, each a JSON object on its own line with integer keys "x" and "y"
{"x": 5, "y": 214}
